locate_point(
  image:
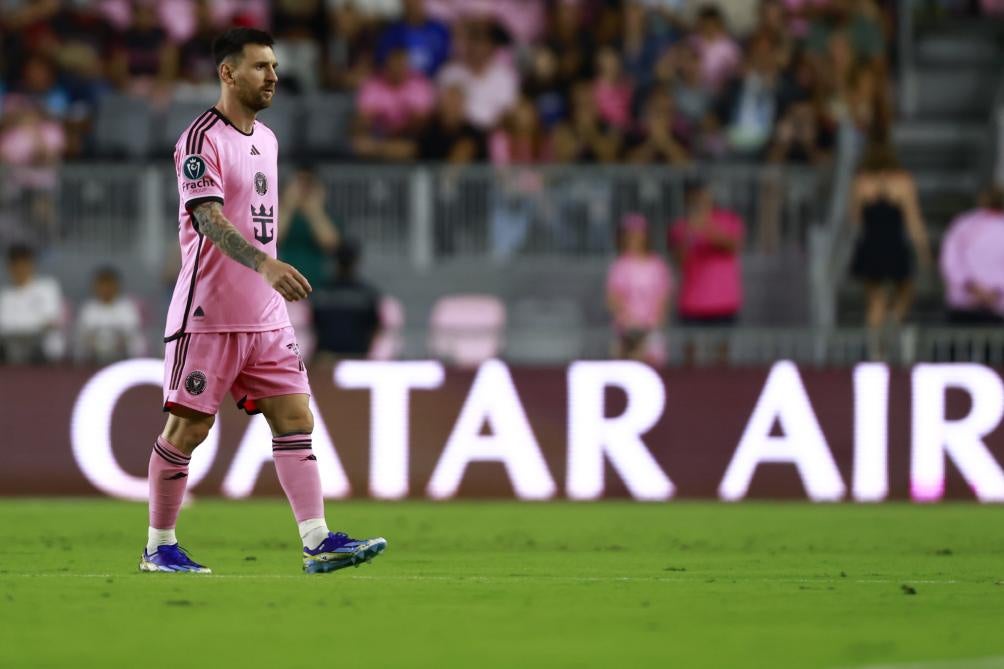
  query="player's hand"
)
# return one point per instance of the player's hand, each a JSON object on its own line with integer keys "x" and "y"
{"x": 285, "y": 279}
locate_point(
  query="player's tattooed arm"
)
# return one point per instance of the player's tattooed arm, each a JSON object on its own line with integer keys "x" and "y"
{"x": 214, "y": 225}
{"x": 284, "y": 278}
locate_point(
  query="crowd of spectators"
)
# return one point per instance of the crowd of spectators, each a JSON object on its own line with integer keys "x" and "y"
{"x": 37, "y": 324}
{"x": 528, "y": 81}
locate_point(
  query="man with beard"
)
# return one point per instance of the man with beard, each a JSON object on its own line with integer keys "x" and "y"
{"x": 227, "y": 327}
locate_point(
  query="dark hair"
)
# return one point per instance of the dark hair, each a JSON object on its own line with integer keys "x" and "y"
{"x": 107, "y": 273}
{"x": 879, "y": 156}
{"x": 693, "y": 185}
{"x": 710, "y": 12}
{"x": 17, "y": 252}
{"x": 347, "y": 255}
{"x": 993, "y": 198}
{"x": 232, "y": 42}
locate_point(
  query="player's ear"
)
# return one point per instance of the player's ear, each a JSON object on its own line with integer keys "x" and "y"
{"x": 227, "y": 71}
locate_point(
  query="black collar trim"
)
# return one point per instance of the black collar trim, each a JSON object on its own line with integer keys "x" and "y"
{"x": 227, "y": 121}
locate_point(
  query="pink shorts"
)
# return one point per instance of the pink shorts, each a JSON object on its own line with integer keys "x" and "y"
{"x": 200, "y": 367}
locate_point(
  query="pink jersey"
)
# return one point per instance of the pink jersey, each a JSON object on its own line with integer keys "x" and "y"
{"x": 643, "y": 285}
{"x": 216, "y": 161}
{"x": 711, "y": 283}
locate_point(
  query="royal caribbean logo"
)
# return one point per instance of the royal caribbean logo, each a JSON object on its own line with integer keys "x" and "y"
{"x": 263, "y": 218}
{"x": 194, "y": 167}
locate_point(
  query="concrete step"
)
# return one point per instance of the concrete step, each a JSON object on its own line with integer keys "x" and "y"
{"x": 928, "y": 305}
{"x": 940, "y": 144}
{"x": 956, "y": 92}
{"x": 958, "y": 49}
{"x": 947, "y": 181}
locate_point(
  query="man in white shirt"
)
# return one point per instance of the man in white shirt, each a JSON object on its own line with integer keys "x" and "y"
{"x": 110, "y": 326}
{"x": 31, "y": 312}
{"x": 486, "y": 75}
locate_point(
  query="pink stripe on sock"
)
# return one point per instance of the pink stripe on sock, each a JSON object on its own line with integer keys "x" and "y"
{"x": 297, "y": 469}
{"x": 168, "y": 472}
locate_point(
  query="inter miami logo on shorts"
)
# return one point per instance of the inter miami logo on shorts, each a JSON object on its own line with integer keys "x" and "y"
{"x": 193, "y": 167}
{"x": 260, "y": 183}
{"x": 195, "y": 383}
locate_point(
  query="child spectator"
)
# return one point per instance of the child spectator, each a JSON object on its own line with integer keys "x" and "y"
{"x": 110, "y": 325}
{"x": 639, "y": 291}
{"x": 31, "y": 312}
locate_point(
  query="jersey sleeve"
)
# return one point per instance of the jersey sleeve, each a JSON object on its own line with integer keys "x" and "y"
{"x": 200, "y": 177}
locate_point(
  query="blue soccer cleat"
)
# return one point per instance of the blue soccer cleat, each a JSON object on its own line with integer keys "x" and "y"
{"x": 339, "y": 551}
{"x": 171, "y": 559}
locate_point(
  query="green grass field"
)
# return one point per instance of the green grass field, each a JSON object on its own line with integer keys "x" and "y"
{"x": 511, "y": 585}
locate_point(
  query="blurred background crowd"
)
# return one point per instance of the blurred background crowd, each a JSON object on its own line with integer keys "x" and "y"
{"x": 529, "y": 81}
{"x": 510, "y": 84}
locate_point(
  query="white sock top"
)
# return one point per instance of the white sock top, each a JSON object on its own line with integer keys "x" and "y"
{"x": 155, "y": 537}
{"x": 313, "y": 531}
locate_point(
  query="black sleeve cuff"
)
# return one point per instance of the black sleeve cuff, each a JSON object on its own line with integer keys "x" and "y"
{"x": 193, "y": 203}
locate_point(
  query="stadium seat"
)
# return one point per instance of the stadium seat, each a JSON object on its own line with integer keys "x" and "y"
{"x": 283, "y": 118}
{"x": 327, "y": 122}
{"x": 466, "y": 330}
{"x": 179, "y": 115}
{"x": 389, "y": 342}
{"x": 123, "y": 127}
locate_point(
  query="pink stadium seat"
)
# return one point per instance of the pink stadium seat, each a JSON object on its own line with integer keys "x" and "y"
{"x": 389, "y": 343}
{"x": 466, "y": 330}
{"x": 302, "y": 319}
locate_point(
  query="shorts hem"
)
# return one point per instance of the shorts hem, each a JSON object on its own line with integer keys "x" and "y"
{"x": 168, "y": 404}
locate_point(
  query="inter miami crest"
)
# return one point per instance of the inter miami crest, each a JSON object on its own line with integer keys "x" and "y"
{"x": 260, "y": 183}
{"x": 195, "y": 383}
{"x": 193, "y": 167}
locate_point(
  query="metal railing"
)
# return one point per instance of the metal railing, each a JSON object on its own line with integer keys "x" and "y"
{"x": 744, "y": 346}
{"x": 425, "y": 213}
{"x": 831, "y": 243}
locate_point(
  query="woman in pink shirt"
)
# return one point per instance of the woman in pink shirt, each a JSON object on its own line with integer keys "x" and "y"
{"x": 392, "y": 107}
{"x": 706, "y": 243}
{"x": 720, "y": 55}
{"x": 639, "y": 288}
{"x": 612, "y": 90}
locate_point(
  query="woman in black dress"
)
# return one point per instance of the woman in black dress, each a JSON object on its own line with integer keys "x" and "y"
{"x": 892, "y": 239}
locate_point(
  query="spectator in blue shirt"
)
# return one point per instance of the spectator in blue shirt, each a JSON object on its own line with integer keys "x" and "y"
{"x": 426, "y": 40}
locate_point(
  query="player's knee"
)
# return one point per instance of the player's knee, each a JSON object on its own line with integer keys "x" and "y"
{"x": 187, "y": 434}
{"x": 299, "y": 421}
{"x": 198, "y": 431}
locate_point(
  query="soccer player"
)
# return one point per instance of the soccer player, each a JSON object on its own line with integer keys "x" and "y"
{"x": 227, "y": 327}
